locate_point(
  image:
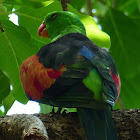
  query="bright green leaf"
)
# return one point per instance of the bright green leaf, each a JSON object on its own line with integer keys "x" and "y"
{"x": 1, "y": 113}
{"x": 34, "y": 3}
{"x": 45, "y": 108}
{"x": 8, "y": 102}
{"x": 99, "y": 37}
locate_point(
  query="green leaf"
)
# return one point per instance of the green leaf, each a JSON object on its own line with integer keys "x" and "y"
{"x": 4, "y": 86}
{"x": 16, "y": 45}
{"x": 125, "y": 38}
{"x": 8, "y": 102}
{"x": 100, "y": 8}
{"x": 45, "y": 108}
{"x": 1, "y": 113}
{"x": 130, "y": 7}
{"x": 34, "y": 3}
{"x": 31, "y": 18}
{"x": 77, "y": 4}
{"x": 99, "y": 37}
{"x": 138, "y": 2}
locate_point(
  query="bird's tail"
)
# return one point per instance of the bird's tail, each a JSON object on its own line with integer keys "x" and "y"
{"x": 97, "y": 124}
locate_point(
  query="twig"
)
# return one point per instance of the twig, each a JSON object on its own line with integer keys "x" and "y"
{"x": 64, "y": 5}
{"x": 89, "y": 6}
{"x": 114, "y": 4}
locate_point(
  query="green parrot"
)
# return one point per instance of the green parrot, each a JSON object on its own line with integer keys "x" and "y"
{"x": 73, "y": 72}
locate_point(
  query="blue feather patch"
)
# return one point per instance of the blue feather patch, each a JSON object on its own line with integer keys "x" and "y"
{"x": 86, "y": 53}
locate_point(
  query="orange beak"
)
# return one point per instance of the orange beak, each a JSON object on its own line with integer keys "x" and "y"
{"x": 42, "y": 31}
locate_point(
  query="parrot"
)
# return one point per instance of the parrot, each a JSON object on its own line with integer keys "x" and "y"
{"x": 73, "y": 72}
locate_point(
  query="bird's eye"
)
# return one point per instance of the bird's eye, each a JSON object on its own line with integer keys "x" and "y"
{"x": 53, "y": 16}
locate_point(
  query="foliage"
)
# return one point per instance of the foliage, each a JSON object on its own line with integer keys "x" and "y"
{"x": 120, "y": 19}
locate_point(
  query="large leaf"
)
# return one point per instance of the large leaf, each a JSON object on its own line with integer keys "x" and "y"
{"x": 16, "y": 45}
{"x": 125, "y": 38}
{"x": 4, "y": 86}
{"x": 77, "y": 4}
{"x": 129, "y": 7}
{"x": 31, "y": 19}
{"x": 1, "y": 113}
{"x": 34, "y": 3}
{"x": 8, "y": 102}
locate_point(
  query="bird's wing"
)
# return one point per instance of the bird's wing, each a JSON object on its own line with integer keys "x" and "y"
{"x": 79, "y": 55}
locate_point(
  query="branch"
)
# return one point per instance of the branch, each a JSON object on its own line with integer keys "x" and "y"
{"x": 67, "y": 126}
{"x": 22, "y": 127}
{"x": 64, "y": 5}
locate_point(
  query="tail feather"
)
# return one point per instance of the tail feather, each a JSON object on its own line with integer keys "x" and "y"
{"x": 97, "y": 124}
{"x": 111, "y": 129}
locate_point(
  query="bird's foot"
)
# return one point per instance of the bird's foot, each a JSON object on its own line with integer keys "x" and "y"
{"x": 59, "y": 110}
{"x": 53, "y": 110}
{"x": 64, "y": 111}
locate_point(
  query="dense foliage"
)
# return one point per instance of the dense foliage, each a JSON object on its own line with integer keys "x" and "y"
{"x": 118, "y": 18}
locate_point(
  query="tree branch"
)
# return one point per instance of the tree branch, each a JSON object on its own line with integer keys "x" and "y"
{"x": 67, "y": 126}
{"x": 22, "y": 127}
{"x": 64, "y": 5}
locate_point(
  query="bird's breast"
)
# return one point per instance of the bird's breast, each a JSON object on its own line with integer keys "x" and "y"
{"x": 35, "y": 78}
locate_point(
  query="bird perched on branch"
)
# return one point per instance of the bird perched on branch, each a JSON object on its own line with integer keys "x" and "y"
{"x": 73, "y": 72}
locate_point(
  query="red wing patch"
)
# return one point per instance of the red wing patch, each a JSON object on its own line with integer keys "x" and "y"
{"x": 117, "y": 82}
{"x": 36, "y": 78}
{"x": 54, "y": 74}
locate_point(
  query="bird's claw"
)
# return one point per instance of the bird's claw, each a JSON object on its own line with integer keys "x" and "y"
{"x": 59, "y": 110}
{"x": 53, "y": 110}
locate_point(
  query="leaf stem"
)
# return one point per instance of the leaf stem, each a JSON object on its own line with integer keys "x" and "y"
{"x": 89, "y": 6}
{"x": 114, "y": 4}
{"x": 64, "y": 5}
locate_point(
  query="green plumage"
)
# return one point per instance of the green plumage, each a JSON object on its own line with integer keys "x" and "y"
{"x": 94, "y": 82}
{"x": 70, "y": 23}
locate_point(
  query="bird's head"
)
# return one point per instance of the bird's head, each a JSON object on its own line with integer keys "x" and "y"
{"x": 59, "y": 23}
